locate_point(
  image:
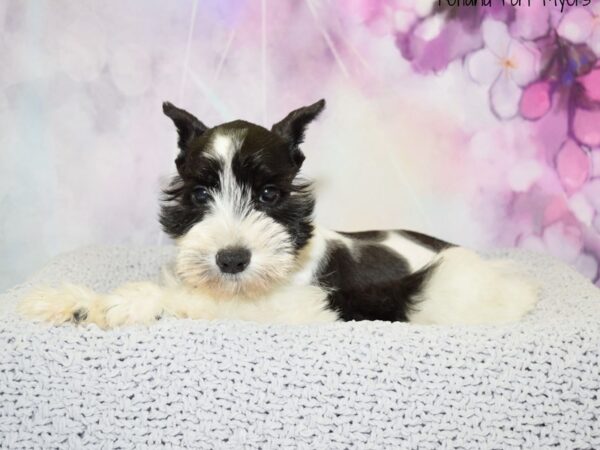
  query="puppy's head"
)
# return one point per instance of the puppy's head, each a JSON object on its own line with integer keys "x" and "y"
{"x": 236, "y": 208}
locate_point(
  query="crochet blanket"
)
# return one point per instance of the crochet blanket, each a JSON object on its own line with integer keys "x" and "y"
{"x": 199, "y": 384}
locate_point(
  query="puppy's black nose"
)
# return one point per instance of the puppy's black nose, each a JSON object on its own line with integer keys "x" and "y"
{"x": 233, "y": 259}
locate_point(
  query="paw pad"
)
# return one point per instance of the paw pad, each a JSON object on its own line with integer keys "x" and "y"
{"x": 80, "y": 315}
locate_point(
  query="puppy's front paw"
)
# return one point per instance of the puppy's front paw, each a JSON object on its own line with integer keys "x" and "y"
{"x": 69, "y": 303}
{"x": 134, "y": 303}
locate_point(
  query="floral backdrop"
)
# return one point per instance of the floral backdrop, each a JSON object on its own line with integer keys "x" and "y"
{"x": 478, "y": 124}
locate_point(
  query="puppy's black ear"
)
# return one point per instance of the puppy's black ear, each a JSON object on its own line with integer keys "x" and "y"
{"x": 292, "y": 127}
{"x": 188, "y": 127}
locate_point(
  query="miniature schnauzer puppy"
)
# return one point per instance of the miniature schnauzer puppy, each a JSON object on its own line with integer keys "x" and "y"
{"x": 242, "y": 219}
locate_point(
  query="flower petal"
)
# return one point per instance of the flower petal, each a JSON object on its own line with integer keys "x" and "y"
{"x": 581, "y": 208}
{"x": 592, "y": 192}
{"x": 430, "y": 28}
{"x": 552, "y": 130}
{"x": 594, "y": 40}
{"x": 595, "y": 156}
{"x": 435, "y": 55}
{"x": 496, "y": 37}
{"x": 504, "y": 97}
{"x": 586, "y": 127}
{"x": 591, "y": 83}
{"x": 597, "y": 222}
{"x": 525, "y": 61}
{"x": 535, "y": 101}
{"x": 555, "y": 209}
{"x": 563, "y": 241}
{"x": 572, "y": 165}
{"x": 483, "y": 66}
{"x": 424, "y": 7}
{"x": 403, "y": 20}
{"x": 531, "y": 22}
{"x": 576, "y": 25}
{"x": 523, "y": 175}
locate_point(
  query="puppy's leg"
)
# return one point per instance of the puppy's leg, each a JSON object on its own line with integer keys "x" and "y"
{"x": 464, "y": 288}
{"x": 133, "y": 303}
{"x": 69, "y": 303}
{"x": 144, "y": 302}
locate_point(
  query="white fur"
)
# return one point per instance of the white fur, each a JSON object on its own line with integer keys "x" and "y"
{"x": 272, "y": 254}
{"x": 224, "y": 146}
{"x": 57, "y": 305}
{"x": 133, "y": 303}
{"x": 466, "y": 289}
{"x": 416, "y": 255}
{"x": 145, "y": 302}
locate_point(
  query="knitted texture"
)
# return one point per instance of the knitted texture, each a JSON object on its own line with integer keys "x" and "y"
{"x": 198, "y": 384}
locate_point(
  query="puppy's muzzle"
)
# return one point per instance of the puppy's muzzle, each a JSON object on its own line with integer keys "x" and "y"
{"x": 233, "y": 260}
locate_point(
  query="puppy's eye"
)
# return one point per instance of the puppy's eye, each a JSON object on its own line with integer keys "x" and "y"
{"x": 269, "y": 195}
{"x": 200, "y": 195}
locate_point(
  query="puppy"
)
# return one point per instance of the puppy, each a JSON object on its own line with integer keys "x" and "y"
{"x": 242, "y": 219}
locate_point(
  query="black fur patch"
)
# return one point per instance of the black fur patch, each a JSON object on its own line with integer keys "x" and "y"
{"x": 265, "y": 159}
{"x": 373, "y": 284}
{"x": 371, "y": 235}
{"x": 178, "y": 212}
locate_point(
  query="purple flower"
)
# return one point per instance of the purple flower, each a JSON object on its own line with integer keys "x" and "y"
{"x": 570, "y": 84}
{"x": 446, "y": 33}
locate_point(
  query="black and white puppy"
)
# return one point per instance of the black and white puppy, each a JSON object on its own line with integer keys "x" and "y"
{"x": 248, "y": 249}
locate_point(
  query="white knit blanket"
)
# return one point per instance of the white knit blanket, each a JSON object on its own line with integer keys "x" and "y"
{"x": 372, "y": 385}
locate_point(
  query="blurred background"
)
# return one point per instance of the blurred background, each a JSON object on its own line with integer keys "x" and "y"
{"x": 480, "y": 125}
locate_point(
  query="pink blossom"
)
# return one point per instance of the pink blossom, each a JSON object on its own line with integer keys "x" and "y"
{"x": 376, "y": 15}
{"x": 591, "y": 84}
{"x": 582, "y": 25}
{"x": 595, "y": 158}
{"x": 531, "y": 22}
{"x": 442, "y": 33}
{"x": 556, "y": 208}
{"x": 572, "y": 166}
{"x": 592, "y": 192}
{"x": 536, "y": 100}
{"x": 586, "y": 126}
{"x": 563, "y": 240}
{"x": 582, "y": 209}
{"x": 504, "y": 63}
{"x": 571, "y": 77}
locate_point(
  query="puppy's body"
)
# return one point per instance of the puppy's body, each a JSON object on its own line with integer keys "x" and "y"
{"x": 248, "y": 248}
{"x": 372, "y": 275}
